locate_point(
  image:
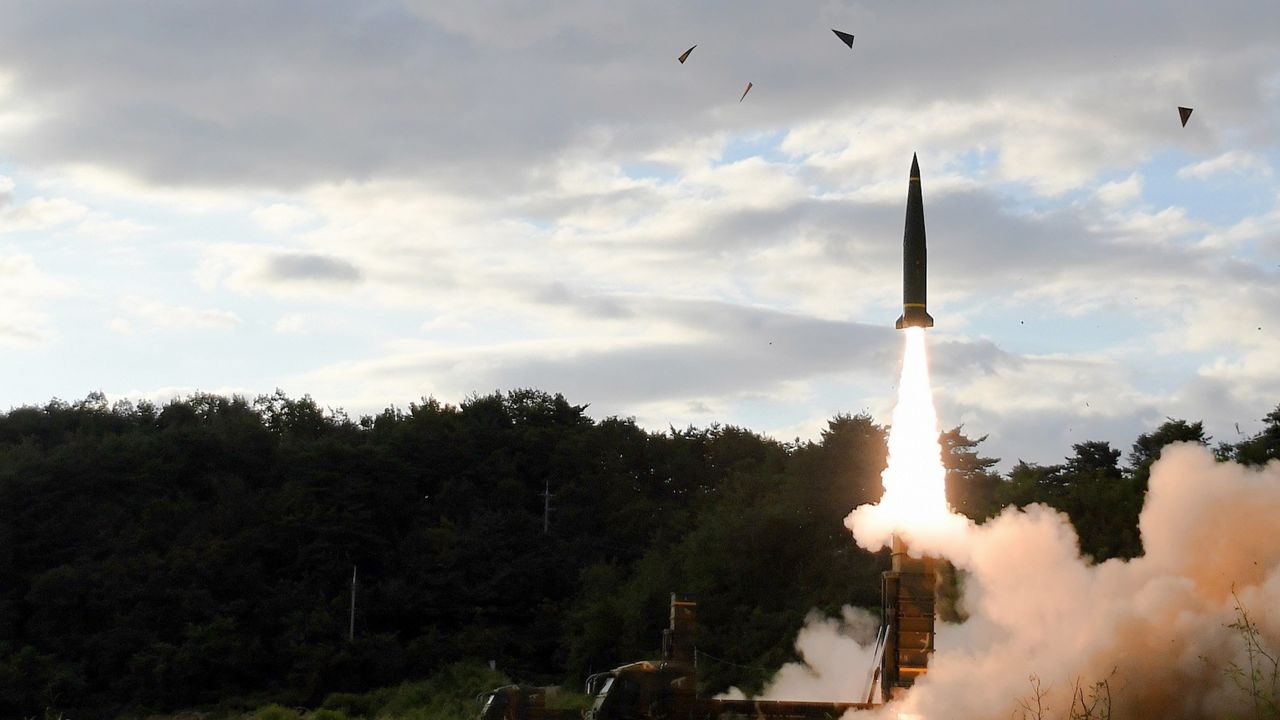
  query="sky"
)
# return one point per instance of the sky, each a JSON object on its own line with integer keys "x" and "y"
{"x": 376, "y": 202}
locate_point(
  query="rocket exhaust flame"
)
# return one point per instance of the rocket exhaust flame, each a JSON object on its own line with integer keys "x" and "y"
{"x": 914, "y": 481}
{"x": 914, "y": 503}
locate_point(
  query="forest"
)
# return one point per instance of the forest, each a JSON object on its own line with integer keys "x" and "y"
{"x": 201, "y": 554}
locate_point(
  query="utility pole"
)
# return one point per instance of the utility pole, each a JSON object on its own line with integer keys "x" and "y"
{"x": 351, "y": 628}
{"x": 546, "y": 507}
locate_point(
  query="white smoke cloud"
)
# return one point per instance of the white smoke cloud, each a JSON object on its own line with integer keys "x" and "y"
{"x": 1156, "y": 628}
{"x": 834, "y": 650}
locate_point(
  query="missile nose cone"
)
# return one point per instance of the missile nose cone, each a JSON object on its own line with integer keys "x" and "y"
{"x": 915, "y": 168}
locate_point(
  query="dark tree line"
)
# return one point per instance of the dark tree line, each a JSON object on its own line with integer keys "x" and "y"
{"x": 154, "y": 558}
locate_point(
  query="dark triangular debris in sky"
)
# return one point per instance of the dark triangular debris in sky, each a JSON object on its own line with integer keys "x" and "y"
{"x": 845, "y": 37}
{"x": 744, "y": 93}
{"x": 685, "y": 55}
{"x": 1184, "y": 113}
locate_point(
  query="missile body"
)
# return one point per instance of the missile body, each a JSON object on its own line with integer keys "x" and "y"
{"x": 913, "y": 258}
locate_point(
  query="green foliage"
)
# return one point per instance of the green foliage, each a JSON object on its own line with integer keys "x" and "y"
{"x": 1102, "y": 501}
{"x": 276, "y": 712}
{"x": 1258, "y": 449}
{"x": 449, "y": 694}
{"x": 972, "y": 485}
{"x": 355, "y": 705}
{"x": 1146, "y": 449}
{"x": 769, "y": 544}
{"x": 200, "y": 554}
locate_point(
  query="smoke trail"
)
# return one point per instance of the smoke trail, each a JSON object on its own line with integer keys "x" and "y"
{"x": 914, "y": 504}
{"x": 1155, "y": 628}
{"x": 1155, "y": 631}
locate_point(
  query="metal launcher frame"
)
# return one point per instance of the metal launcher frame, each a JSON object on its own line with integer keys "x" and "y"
{"x": 678, "y": 638}
{"x": 908, "y": 606}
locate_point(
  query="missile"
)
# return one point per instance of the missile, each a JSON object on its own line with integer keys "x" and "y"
{"x": 913, "y": 258}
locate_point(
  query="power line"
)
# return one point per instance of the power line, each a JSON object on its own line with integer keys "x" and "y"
{"x": 546, "y": 507}
{"x": 351, "y": 628}
{"x": 701, "y": 653}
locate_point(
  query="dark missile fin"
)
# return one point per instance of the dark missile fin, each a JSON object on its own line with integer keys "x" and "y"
{"x": 1184, "y": 113}
{"x": 917, "y": 319}
{"x": 744, "y": 93}
{"x": 845, "y": 37}
{"x": 685, "y": 55}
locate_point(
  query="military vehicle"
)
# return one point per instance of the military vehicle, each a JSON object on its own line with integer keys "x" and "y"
{"x": 667, "y": 689}
{"x": 523, "y": 702}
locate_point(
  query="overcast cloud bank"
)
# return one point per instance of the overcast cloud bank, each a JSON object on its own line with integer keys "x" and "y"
{"x": 467, "y": 196}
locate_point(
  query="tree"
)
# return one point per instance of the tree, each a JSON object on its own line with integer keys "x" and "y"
{"x": 1090, "y": 487}
{"x": 1103, "y": 503}
{"x": 1147, "y": 448}
{"x": 971, "y": 482}
{"x": 1262, "y": 447}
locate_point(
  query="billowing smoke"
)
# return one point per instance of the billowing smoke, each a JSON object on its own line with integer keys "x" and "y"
{"x": 1050, "y": 635}
{"x": 1152, "y": 634}
{"x": 837, "y": 659}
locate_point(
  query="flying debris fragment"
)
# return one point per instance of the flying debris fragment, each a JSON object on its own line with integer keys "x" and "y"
{"x": 845, "y": 37}
{"x": 1184, "y": 113}
{"x": 685, "y": 55}
{"x": 744, "y": 93}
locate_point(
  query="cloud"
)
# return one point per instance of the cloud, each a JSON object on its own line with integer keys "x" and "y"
{"x": 356, "y": 92}
{"x": 559, "y": 294}
{"x": 293, "y": 324}
{"x": 1260, "y": 229}
{"x": 104, "y": 228}
{"x": 709, "y": 351}
{"x": 26, "y": 290}
{"x": 1120, "y": 192}
{"x": 301, "y": 267}
{"x": 280, "y": 218}
{"x": 569, "y": 206}
{"x": 164, "y": 316}
{"x": 1233, "y": 161}
{"x": 22, "y": 334}
{"x": 1038, "y": 406}
{"x": 301, "y": 323}
{"x": 721, "y": 232}
{"x": 38, "y": 213}
{"x": 283, "y": 272}
{"x": 161, "y": 396}
{"x": 120, "y": 325}
{"x": 595, "y": 273}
